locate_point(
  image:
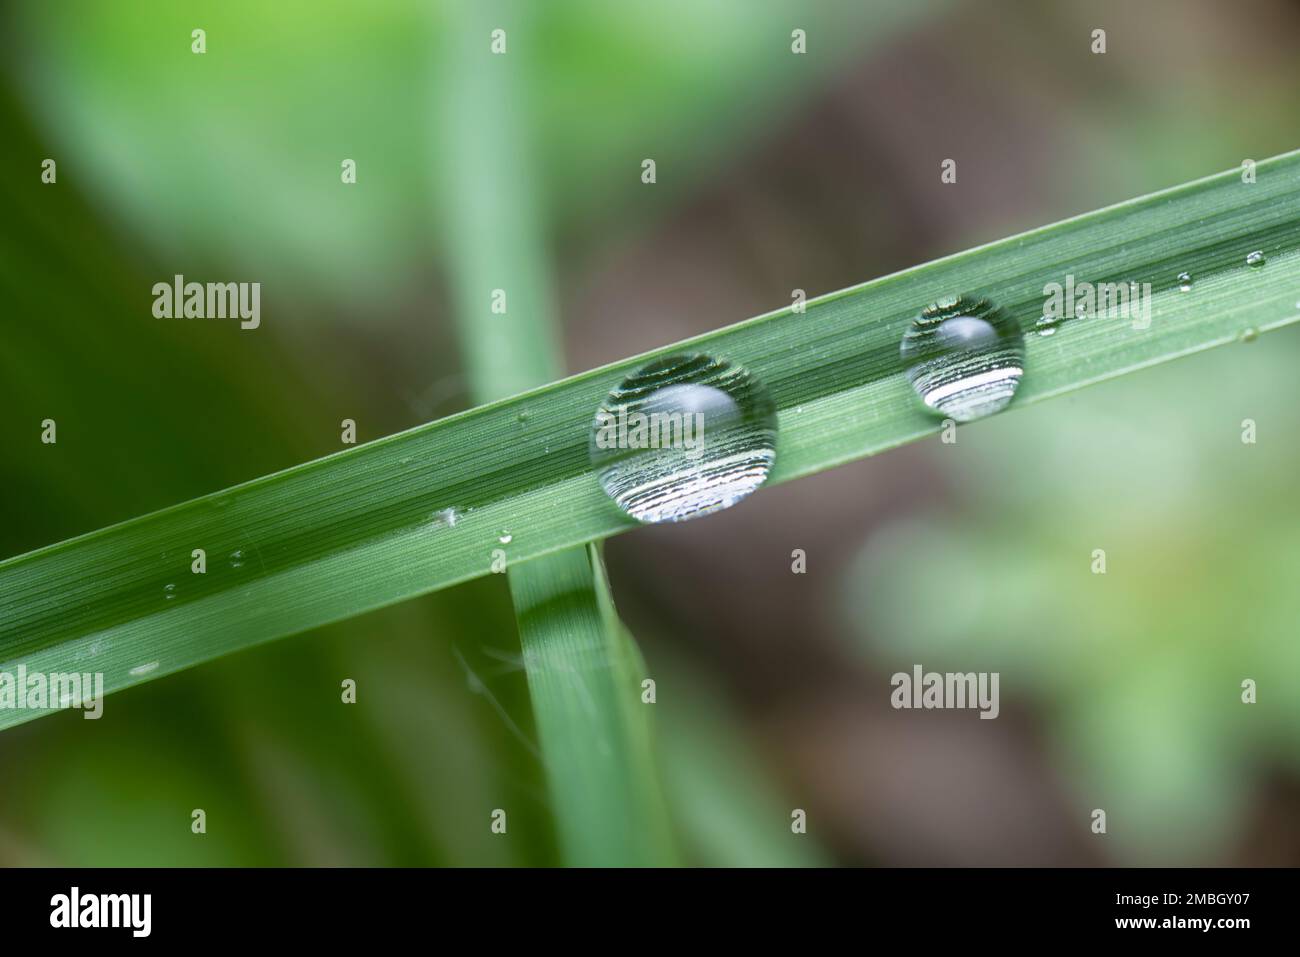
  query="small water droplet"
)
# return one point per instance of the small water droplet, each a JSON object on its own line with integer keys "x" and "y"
{"x": 237, "y": 558}
{"x": 682, "y": 437}
{"x": 447, "y": 516}
{"x": 522, "y": 416}
{"x": 1249, "y": 334}
{"x": 1047, "y": 325}
{"x": 1256, "y": 258}
{"x": 169, "y": 592}
{"x": 505, "y": 538}
{"x": 964, "y": 357}
{"x": 1185, "y": 282}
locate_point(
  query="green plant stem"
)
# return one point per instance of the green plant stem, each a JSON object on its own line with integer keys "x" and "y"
{"x": 595, "y": 744}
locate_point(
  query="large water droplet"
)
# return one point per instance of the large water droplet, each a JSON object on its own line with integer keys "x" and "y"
{"x": 964, "y": 357}
{"x": 1256, "y": 258}
{"x": 682, "y": 437}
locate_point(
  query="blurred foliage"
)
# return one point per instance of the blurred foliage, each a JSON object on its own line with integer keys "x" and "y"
{"x": 286, "y": 91}
{"x": 1137, "y": 671}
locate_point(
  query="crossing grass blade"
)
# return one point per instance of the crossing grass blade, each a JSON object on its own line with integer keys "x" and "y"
{"x": 423, "y": 509}
{"x": 584, "y": 676}
{"x": 580, "y": 662}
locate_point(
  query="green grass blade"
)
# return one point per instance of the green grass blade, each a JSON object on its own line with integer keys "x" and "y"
{"x": 424, "y": 509}
{"x": 584, "y": 678}
{"x": 594, "y": 734}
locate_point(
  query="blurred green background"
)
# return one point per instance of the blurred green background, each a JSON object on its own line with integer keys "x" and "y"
{"x": 775, "y": 171}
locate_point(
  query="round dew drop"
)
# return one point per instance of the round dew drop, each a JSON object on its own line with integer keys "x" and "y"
{"x": 1256, "y": 258}
{"x": 682, "y": 437}
{"x": 1184, "y": 282}
{"x": 964, "y": 357}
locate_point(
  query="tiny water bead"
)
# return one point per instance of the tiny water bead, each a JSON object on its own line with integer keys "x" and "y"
{"x": 1185, "y": 282}
{"x": 1047, "y": 325}
{"x": 964, "y": 357}
{"x": 1256, "y": 258}
{"x": 505, "y": 538}
{"x": 169, "y": 591}
{"x": 682, "y": 437}
{"x": 445, "y": 517}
